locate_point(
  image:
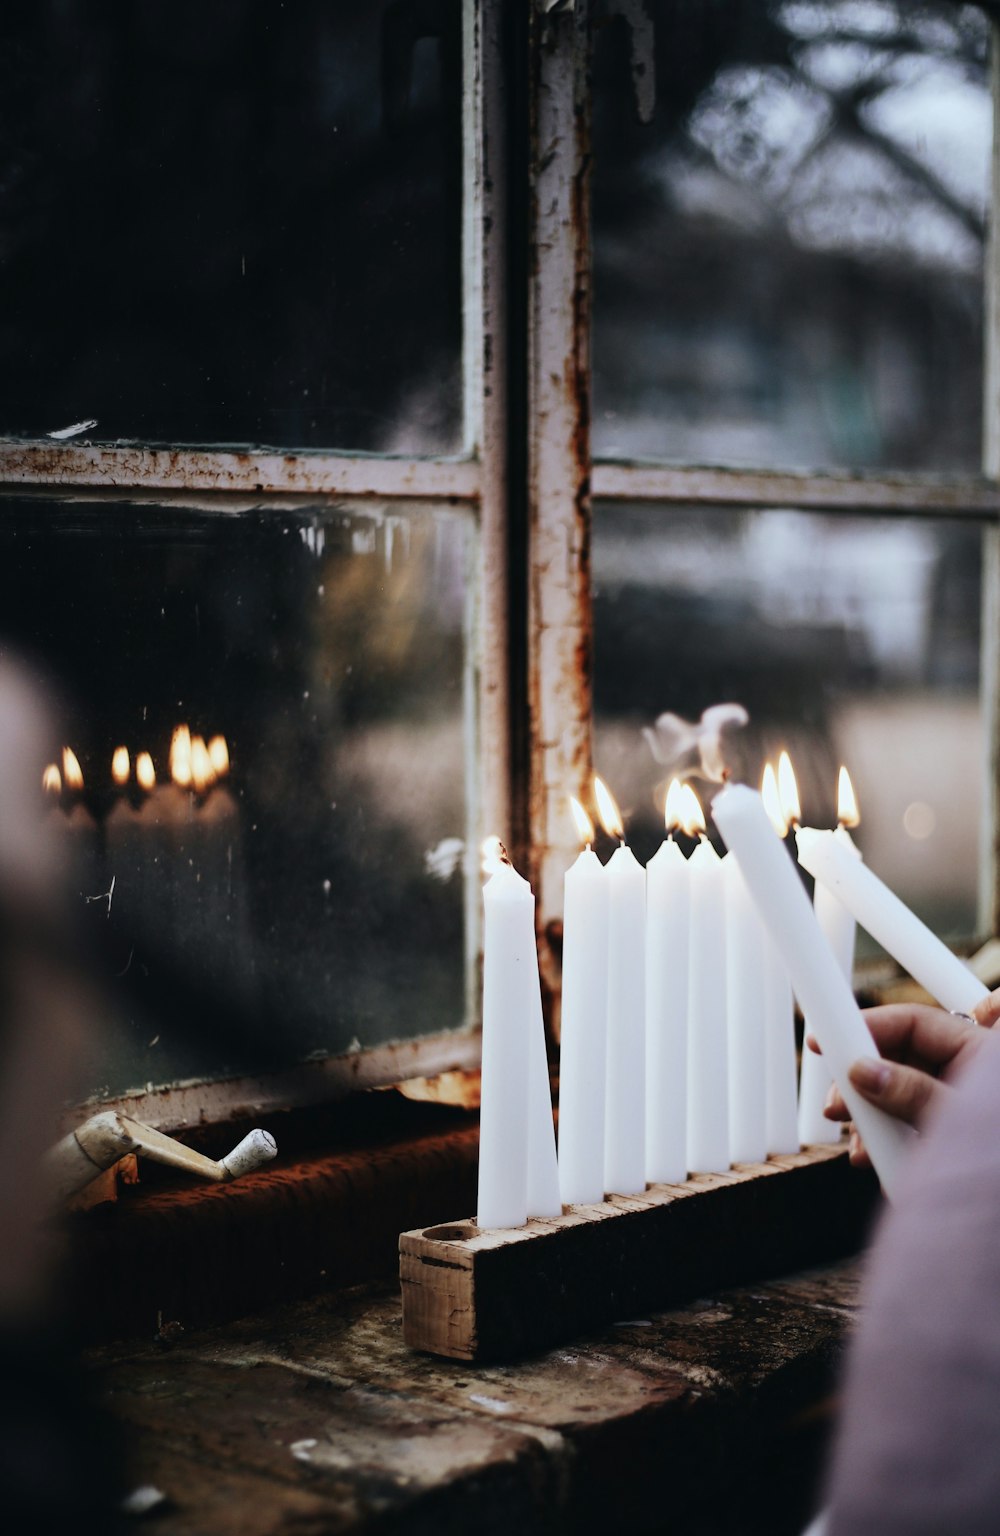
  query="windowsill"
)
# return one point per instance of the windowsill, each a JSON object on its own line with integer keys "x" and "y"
{"x": 317, "y": 1418}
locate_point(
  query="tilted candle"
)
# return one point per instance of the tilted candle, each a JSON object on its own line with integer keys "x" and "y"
{"x": 890, "y": 921}
{"x": 819, "y": 983}
{"x": 837, "y": 926}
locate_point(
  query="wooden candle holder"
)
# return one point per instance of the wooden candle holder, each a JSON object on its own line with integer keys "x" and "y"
{"x": 496, "y": 1295}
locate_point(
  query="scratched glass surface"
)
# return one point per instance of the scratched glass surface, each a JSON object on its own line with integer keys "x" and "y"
{"x": 241, "y": 227}
{"x": 311, "y": 900}
{"x": 789, "y": 209}
{"x": 848, "y": 641}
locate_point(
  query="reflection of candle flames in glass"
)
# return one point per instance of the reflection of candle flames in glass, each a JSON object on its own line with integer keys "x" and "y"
{"x": 202, "y": 774}
{"x": 145, "y": 773}
{"x": 584, "y": 825}
{"x": 72, "y": 772}
{"x": 608, "y": 810}
{"x": 847, "y": 803}
{"x": 180, "y": 757}
{"x": 772, "y": 800}
{"x": 120, "y": 766}
{"x": 52, "y": 780}
{"x": 219, "y": 754}
{"x": 788, "y": 791}
{"x": 692, "y": 815}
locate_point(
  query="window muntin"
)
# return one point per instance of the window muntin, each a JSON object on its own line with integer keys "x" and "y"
{"x": 314, "y": 902}
{"x": 848, "y": 640}
{"x": 788, "y": 256}
{"x": 242, "y": 228}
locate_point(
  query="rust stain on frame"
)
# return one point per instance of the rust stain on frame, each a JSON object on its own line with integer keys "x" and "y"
{"x": 560, "y": 642}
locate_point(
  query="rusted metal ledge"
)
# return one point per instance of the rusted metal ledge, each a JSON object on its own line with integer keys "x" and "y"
{"x": 684, "y": 486}
{"x": 201, "y": 469}
{"x": 497, "y": 1295}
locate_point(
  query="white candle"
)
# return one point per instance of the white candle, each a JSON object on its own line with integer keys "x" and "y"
{"x": 890, "y": 921}
{"x": 668, "y": 907}
{"x": 584, "y": 1031}
{"x": 818, "y": 981}
{"x": 782, "y": 1087}
{"x": 708, "y": 1066}
{"x": 509, "y": 957}
{"x": 625, "y": 1115}
{"x": 745, "y": 1009}
{"x": 543, "y": 1197}
{"x": 837, "y": 927}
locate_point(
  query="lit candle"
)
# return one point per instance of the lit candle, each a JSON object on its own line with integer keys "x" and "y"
{"x": 781, "y": 801}
{"x": 837, "y": 926}
{"x": 899, "y": 931}
{"x": 583, "y": 1035}
{"x": 708, "y": 1063}
{"x": 625, "y": 1114}
{"x": 668, "y": 911}
{"x": 508, "y": 959}
{"x": 745, "y": 944}
{"x": 818, "y": 980}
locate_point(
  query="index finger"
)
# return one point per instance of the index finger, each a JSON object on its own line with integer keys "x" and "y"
{"x": 905, "y": 1031}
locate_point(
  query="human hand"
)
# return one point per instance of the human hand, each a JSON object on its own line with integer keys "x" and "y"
{"x": 921, "y": 1049}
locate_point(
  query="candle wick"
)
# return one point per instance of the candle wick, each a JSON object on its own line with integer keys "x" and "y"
{"x": 590, "y": 847}
{"x": 726, "y": 775}
{"x": 621, "y": 842}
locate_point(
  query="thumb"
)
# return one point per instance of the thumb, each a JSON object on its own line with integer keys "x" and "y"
{"x": 903, "y": 1092}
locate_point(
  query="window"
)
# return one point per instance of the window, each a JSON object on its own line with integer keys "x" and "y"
{"x": 304, "y": 447}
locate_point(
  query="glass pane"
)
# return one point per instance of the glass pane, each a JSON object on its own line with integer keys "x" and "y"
{"x": 215, "y": 226}
{"x": 293, "y": 907}
{"x": 789, "y": 253}
{"x": 848, "y": 641}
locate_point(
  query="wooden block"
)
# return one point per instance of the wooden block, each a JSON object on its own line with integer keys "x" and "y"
{"x": 495, "y": 1295}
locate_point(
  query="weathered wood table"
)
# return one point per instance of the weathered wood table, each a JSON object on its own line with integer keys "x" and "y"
{"x": 709, "y": 1419}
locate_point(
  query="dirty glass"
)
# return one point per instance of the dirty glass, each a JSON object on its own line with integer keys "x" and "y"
{"x": 234, "y": 224}
{"x": 848, "y": 641}
{"x": 308, "y": 898}
{"x": 789, "y": 208}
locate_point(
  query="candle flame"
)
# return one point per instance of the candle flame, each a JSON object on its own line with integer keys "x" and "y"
{"x": 218, "y": 751}
{"x": 788, "y": 791}
{"x": 673, "y": 810}
{"x": 584, "y": 825}
{"x": 120, "y": 766}
{"x": 692, "y": 815}
{"x": 772, "y": 800}
{"x": 52, "y": 780}
{"x": 607, "y": 809}
{"x": 180, "y": 757}
{"x": 72, "y": 772}
{"x": 847, "y": 801}
{"x": 494, "y": 856}
{"x": 202, "y": 772}
{"x": 145, "y": 773}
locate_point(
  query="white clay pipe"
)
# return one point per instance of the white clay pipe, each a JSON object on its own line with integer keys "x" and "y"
{"x": 106, "y": 1138}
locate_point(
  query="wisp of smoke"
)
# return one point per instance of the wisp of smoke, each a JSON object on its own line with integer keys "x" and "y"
{"x": 695, "y": 747}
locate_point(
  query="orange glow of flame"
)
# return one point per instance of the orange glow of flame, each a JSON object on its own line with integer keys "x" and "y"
{"x": 673, "y": 810}
{"x": 788, "y": 791}
{"x": 72, "y": 772}
{"x": 52, "y": 780}
{"x": 584, "y": 825}
{"x": 219, "y": 754}
{"x": 145, "y": 773}
{"x": 120, "y": 766}
{"x": 847, "y": 801}
{"x": 772, "y": 800}
{"x": 607, "y": 809}
{"x": 692, "y": 815}
{"x": 202, "y": 772}
{"x": 180, "y": 757}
